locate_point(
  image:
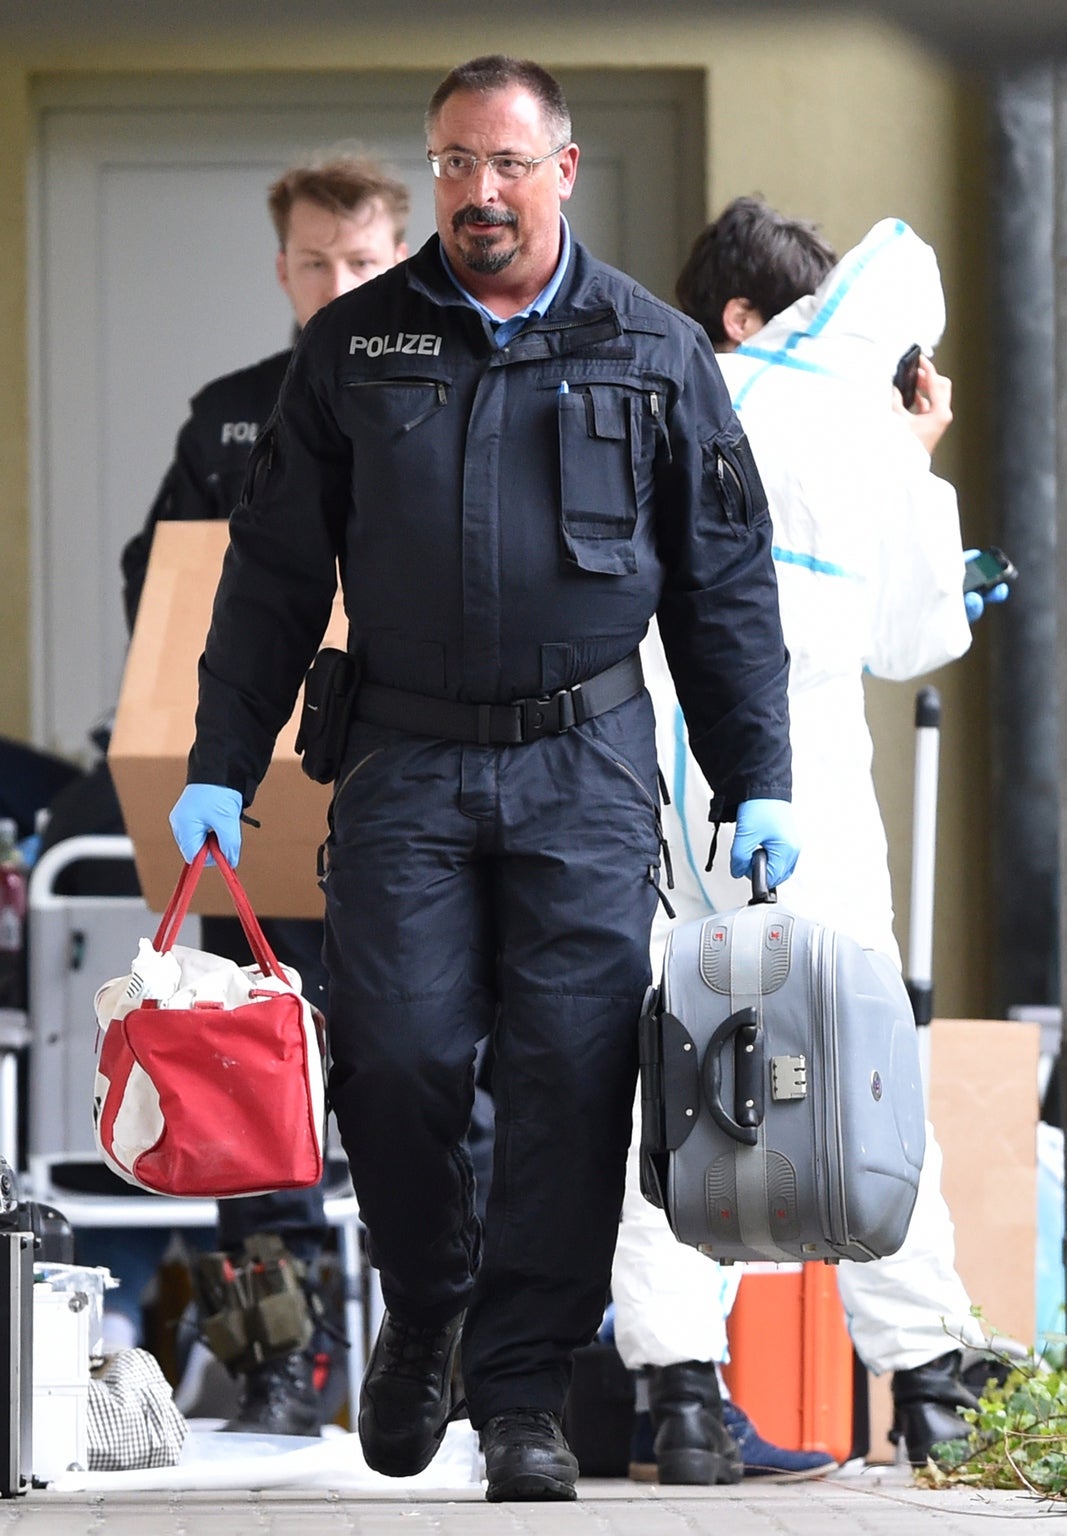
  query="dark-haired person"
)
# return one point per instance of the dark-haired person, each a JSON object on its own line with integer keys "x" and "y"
{"x": 513, "y": 492}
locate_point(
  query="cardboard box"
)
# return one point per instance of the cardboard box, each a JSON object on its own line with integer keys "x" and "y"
{"x": 983, "y": 1106}
{"x": 154, "y": 731}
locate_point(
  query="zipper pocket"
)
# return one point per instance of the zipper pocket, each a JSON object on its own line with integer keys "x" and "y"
{"x": 625, "y": 768}
{"x": 356, "y": 768}
{"x": 438, "y": 386}
{"x": 660, "y": 424}
{"x": 739, "y": 484}
{"x": 322, "y": 859}
{"x": 724, "y": 468}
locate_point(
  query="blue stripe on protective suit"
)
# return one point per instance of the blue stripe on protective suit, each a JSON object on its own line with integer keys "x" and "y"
{"x": 811, "y": 563}
{"x": 783, "y": 356}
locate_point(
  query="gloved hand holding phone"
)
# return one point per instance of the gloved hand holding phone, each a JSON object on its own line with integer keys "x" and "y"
{"x": 987, "y": 573}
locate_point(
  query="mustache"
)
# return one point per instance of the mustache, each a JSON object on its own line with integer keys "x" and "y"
{"x": 474, "y": 215}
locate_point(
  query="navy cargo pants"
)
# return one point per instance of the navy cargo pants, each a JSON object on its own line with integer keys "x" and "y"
{"x": 502, "y": 891}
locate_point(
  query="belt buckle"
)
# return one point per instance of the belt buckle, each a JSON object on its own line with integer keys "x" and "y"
{"x": 548, "y": 715}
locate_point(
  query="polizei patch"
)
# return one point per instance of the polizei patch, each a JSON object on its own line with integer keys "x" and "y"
{"x": 424, "y": 345}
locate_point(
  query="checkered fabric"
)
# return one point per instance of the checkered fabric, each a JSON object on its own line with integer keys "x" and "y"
{"x": 132, "y": 1418}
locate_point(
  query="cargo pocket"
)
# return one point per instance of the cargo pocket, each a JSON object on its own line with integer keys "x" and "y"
{"x": 598, "y": 487}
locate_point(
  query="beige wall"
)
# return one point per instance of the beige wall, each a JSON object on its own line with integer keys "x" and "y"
{"x": 845, "y": 123}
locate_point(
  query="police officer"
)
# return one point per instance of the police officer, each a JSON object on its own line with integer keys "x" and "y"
{"x": 340, "y": 221}
{"x": 518, "y": 456}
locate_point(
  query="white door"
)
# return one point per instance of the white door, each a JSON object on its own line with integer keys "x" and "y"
{"x": 153, "y": 258}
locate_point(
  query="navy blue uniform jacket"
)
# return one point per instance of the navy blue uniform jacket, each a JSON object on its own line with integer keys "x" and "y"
{"x": 499, "y": 538}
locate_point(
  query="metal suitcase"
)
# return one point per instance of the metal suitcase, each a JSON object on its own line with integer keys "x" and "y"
{"x": 782, "y": 1102}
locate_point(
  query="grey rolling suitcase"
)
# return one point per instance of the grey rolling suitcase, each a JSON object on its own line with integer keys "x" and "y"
{"x": 782, "y": 1103}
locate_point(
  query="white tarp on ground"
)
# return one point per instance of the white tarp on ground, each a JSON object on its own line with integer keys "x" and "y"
{"x": 211, "y": 1459}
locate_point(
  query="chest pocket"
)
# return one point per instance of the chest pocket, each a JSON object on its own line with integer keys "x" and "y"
{"x": 393, "y": 407}
{"x": 599, "y": 434}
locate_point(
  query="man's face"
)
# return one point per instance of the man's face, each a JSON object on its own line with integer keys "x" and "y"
{"x": 325, "y": 255}
{"x": 501, "y": 236}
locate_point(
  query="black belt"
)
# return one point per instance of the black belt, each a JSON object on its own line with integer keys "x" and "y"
{"x": 502, "y": 725}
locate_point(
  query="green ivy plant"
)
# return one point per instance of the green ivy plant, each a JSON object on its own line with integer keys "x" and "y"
{"x": 1018, "y": 1435}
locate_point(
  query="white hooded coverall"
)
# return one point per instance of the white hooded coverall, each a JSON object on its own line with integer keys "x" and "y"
{"x": 870, "y": 570}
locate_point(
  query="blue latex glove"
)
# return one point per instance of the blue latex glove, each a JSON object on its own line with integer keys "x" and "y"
{"x": 975, "y": 602}
{"x": 204, "y": 808}
{"x": 769, "y": 824}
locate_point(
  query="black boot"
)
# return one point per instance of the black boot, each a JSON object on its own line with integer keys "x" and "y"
{"x": 691, "y": 1442}
{"x": 925, "y": 1403}
{"x": 278, "y": 1397}
{"x": 406, "y": 1397}
{"x": 527, "y": 1457}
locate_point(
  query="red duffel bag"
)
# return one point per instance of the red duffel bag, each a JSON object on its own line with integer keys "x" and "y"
{"x": 210, "y": 1077}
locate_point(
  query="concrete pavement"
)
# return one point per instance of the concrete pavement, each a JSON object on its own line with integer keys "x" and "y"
{"x": 877, "y": 1501}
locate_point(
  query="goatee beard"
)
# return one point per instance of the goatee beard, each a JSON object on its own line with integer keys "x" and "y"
{"x": 486, "y": 258}
{"x": 482, "y": 255}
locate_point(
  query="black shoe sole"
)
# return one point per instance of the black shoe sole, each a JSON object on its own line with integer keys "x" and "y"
{"x": 528, "y": 1486}
{"x": 395, "y": 1457}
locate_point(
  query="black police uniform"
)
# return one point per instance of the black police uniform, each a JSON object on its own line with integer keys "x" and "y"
{"x": 204, "y": 481}
{"x": 210, "y": 459}
{"x": 501, "y": 538}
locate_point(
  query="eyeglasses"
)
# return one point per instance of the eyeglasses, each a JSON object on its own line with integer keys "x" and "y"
{"x": 452, "y": 165}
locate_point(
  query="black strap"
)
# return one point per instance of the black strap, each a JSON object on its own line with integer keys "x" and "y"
{"x": 502, "y": 725}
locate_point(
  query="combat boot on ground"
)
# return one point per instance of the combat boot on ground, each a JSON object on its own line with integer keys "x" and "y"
{"x": 278, "y": 1397}
{"x": 926, "y": 1403}
{"x": 690, "y": 1441}
{"x": 406, "y": 1397}
{"x": 527, "y": 1457}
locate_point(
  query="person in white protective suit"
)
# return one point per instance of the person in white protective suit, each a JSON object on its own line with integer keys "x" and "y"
{"x": 870, "y": 571}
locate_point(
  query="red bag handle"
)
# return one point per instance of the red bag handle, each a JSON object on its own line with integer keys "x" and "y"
{"x": 178, "y": 908}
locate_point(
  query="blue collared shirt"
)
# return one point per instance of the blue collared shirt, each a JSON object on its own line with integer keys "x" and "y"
{"x": 504, "y": 330}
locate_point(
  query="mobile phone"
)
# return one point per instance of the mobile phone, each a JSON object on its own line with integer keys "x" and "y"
{"x": 987, "y": 569}
{"x": 907, "y": 375}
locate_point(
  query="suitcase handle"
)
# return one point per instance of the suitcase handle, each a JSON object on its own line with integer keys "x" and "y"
{"x": 761, "y": 892}
{"x": 743, "y": 1029}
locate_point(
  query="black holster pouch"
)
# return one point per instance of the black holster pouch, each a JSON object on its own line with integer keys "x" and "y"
{"x": 329, "y": 696}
